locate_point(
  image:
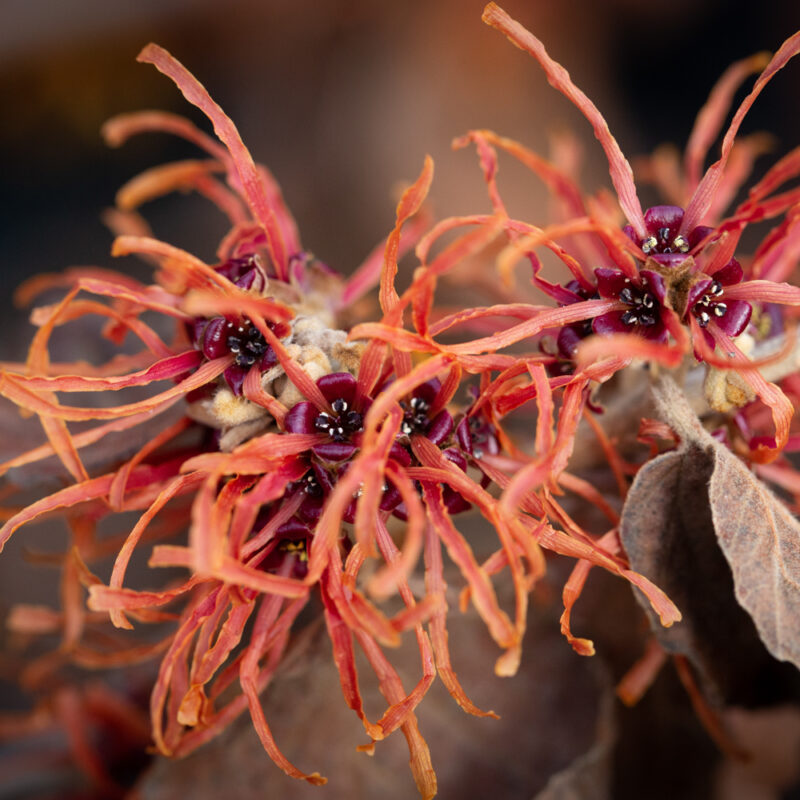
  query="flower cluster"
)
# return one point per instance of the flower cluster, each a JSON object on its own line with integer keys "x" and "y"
{"x": 304, "y": 452}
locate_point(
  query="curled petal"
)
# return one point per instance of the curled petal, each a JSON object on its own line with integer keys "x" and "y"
{"x": 441, "y": 427}
{"x": 736, "y": 317}
{"x": 338, "y": 385}
{"x": 301, "y": 418}
{"x": 400, "y": 454}
{"x": 610, "y": 282}
{"x": 697, "y": 291}
{"x": 610, "y": 323}
{"x": 706, "y": 189}
{"x": 334, "y": 451}
{"x": 558, "y": 77}
{"x": 731, "y": 273}
{"x": 261, "y": 204}
{"x": 712, "y": 115}
{"x": 658, "y": 217}
{"x": 655, "y": 283}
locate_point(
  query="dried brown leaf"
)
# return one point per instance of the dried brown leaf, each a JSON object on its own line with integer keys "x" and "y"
{"x": 701, "y": 526}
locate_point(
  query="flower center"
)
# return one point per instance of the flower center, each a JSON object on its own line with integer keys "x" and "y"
{"x": 709, "y": 305}
{"x": 311, "y": 485}
{"x": 643, "y": 306}
{"x": 340, "y": 425}
{"x": 295, "y": 547}
{"x": 415, "y": 418}
{"x": 663, "y": 243}
{"x": 245, "y": 342}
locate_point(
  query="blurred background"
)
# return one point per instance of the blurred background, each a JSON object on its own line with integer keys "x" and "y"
{"x": 342, "y": 99}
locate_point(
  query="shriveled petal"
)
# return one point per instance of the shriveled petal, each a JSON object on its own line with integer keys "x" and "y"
{"x": 301, "y": 418}
{"x": 260, "y": 202}
{"x": 619, "y": 168}
{"x": 712, "y": 115}
{"x": 704, "y": 194}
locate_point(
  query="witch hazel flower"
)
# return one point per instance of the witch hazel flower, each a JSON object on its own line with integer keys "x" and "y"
{"x": 642, "y": 298}
{"x": 338, "y": 425}
{"x": 705, "y": 300}
{"x": 656, "y": 291}
{"x": 666, "y": 279}
{"x": 297, "y": 478}
{"x": 662, "y": 240}
{"x": 237, "y": 336}
{"x": 688, "y": 291}
{"x": 328, "y": 437}
{"x": 324, "y": 439}
{"x": 418, "y": 416}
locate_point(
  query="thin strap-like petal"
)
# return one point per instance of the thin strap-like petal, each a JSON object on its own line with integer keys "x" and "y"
{"x": 619, "y": 168}
{"x": 710, "y": 117}
{"x": 251, "y": 179}
{"x": 706, "y": 190}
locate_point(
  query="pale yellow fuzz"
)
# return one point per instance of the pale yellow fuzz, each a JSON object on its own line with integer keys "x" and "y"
{"x": 231, "y": 410}
{"x": 725, "y": 389}
{"x": 314, "y": 363}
